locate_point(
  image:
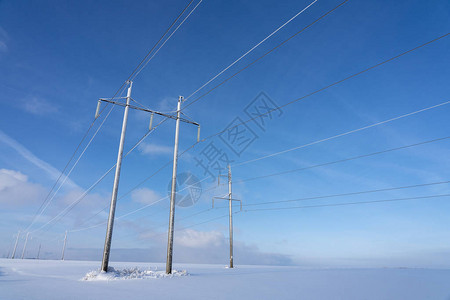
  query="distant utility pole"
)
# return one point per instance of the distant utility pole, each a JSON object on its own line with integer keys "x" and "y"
{"x": 174, "y": 185}
{"x": 39, "y": 251}
{"x": 10, "y": 248}
{"x": 25, "y": 245}
{"x": 112, "y": 210}
{"x": 64, "y": 246}
{"x": 230, "y": 210}
{"x": 15, "y": 245}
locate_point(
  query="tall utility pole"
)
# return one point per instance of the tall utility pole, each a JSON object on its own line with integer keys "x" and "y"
{"x": 64, "y": 246}
{"x": 15, "y": 245}
{"x": 230, "y": 210}
{"x": 25, "y": 245}
{"x": 174, "y": 184}
{"x": 173, "y": 191}
{"x": 112, "y": 209}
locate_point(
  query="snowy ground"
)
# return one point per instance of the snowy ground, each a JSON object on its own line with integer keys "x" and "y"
{"x": 33, "y": 279}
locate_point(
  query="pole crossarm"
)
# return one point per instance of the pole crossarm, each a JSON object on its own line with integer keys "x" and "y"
{"x": 114, "y": 98}
{"x": 228, "y": 199}
{"x": 150, "y": 111}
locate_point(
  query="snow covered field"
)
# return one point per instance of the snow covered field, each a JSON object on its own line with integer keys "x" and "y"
{"x": 40, "y": 279}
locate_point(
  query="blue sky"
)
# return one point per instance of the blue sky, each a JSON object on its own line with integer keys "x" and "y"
{"x": 58, "y": 57}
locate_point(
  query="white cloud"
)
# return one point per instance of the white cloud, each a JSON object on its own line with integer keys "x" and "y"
{"x": 152, "y": 149}
{"x": 25, "y": 153}
{"x": 3, "y": 39}
{"x": 197, "y": 239}
{"x": 168, "y": 104}
{"x": 38, "y": 106}
{"x": 16, "y": 190}
{"x": 145, "y": 196}
{"x": 3, "y": 47}
{"x": 192, "y": 246}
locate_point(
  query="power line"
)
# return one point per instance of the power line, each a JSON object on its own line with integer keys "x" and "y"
{"x": 137, "y": 185}
{"x": 312, "y": 93}
{"x": 145, "y": 206}
{"x": 316, "y": 91}
{"x": 267, "y": 53}
{"x": 62, "y": 172}
{"x": 92, "y": 124}
{"x": 156, "y": 44}
{"x": 362, "y": 72}
{"x": 349, "y": 194}
{"x": 139, "y": 209}
{"x": 305, "y": 206}
{"x": 190, "y": 226}
{"x": 111, "y": 218}
{"x": 184, "y": 218}
{"x": 335, "y": 83}
{"x": 42, "y": 207}
{"x": 141, "y": 104}
{"x": 70, "y": 171}
{"x": 253, "y": 48}
{"x": 343, "y": 160}
{"x": 348, "y": 203}
{"x": 326, "y": 87}
{"x": 128, "y": 192}
{"x": 158, "y": 226}
{"x": 78, "y": 200}
{"x": 342, "y": 134}
{"x": 137, "y": 73}
{"x": 362, "y": 128}
{"x": 193, "y": 145}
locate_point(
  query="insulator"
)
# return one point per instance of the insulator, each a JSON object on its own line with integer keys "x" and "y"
{"x": 97, "y": 112}
{"x": 151, "y": 122}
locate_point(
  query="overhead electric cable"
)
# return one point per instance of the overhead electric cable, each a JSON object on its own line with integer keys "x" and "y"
{"x": 41, "y": 207}
{"x": 115, "y": 94}
{"x": 317, "y": 91}
{"x": 328, "y": 86}
{"x": 342, "y": 134}
{"x": 343, "y": 160}
{"x": 70, "y": 171}
{"x": 321, "y": 89}
{"x": 253, "y": 48}
{"x": 267, "y": 53}
{"x": 156, "y": 44}
{"x": 139, "y": 209}
{"x": 79, "y": 199}
{"x": 349, "y": 203}
{"x": 137, "y": 73}
{"x": 348, "y": 194}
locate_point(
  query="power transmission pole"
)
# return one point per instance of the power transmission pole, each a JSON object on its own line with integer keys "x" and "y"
{"x": 174, "y": 185}
{"x": 39, "y": 251}
{"x": 230, "y": 210}
{"x": 173, "y": 192}
{"x": 15, "y": 245}
{"x": 112, "y": 209}
{"x": 64, "y": 246}
{"x": 231, "y": 216}
{"x": 25, "y": 245}
{"x": 107, "y": 248}
{"x": 10, "y": 248}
